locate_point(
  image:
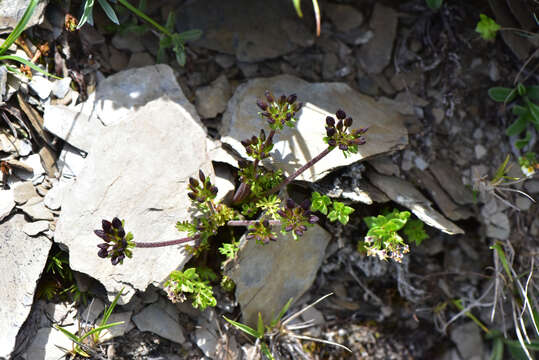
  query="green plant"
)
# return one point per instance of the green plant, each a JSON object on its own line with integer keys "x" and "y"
{"x": 169, "y": 39}
{"x": 316, "y": 8}
{"x": 86, "y": 340}
{"x": 528, "y": 163}
{"x": 382, "y": 239}
{"x": 256, "y": 203}
{"x": 487, "y": 27}
{"x": 279, "y": 329}
{"x": 434, "y": 4}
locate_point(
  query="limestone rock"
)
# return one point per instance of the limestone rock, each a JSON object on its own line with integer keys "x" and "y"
{"x": 24, "y": 191}
{"x": 7, "y": 203}
{"x": 449, "y": 179}
{"x": 267, "y": 276}
{"x": 211, "y": 100}
{"x": 262, "y": 33}
{"x": 12, "y": 11}
{"x": 36, "y": 210}
{"x": 294, "y": 147}
{"x": 34, "y": 228}
{"x": 156, "y": 320}
{"x": 136, "y": 170}
{"x": 118, "y": 330}
{"x": 405, "y": 194}
{"x": 23, "y": 260}
{"x": 468, "y": 339}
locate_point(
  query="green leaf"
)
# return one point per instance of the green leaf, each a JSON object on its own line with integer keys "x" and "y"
{"x": 266, "y": 351}
{"x": 497, "y": 349}
{"x": 487, "y": 27}
{"x": 517, "y": 127}
{"x": 109, "y": 11}
{"x": 190, "y": 35}
{"x": 520, "y": 110}
{"x": 415, "y": 232}
{"x": 282, "y": 312}
{"x": 520, "y": 143}
{"x": 502, "y": 94}
{"x": 534, "y": 110}
{"x": 434, "y": 4}
{"x": 246, "y": 329}
{"x": 297, "y": 6}
{"x": 533, "y": 92}
{"x": 29, "y": 64}
{"x": 521, "y": 89}
{"x": 19, "y": 28}
{"x": 320, "y": 202}
{"x": 516, "y": 351}
{"x": 87, "y": 14}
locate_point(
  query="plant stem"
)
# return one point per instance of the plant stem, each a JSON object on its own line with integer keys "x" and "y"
{"x": 144, "y": 17}
{"x": 298, "y": 172}
{"x": 164, "y": 243}
{"x": 250, "y": 222}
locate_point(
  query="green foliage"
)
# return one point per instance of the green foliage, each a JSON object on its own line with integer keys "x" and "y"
{"x": 382, "y": 239}
{"x": 527, "y": 112}
{"x": 320, "y": 202}
{"x": 487, "y": 27}
{"x": 434, "y": 4}
{"x": 190, "y": 282}
{"x": 269, "y": 205}
{"x": 86, "y": 341}
{"x": 339, "y": 211}
{"x": 230, "y": 249}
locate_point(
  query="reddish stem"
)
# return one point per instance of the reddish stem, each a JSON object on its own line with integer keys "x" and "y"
{"x": 250, "y": 222}
{"x": 164, "y": 243}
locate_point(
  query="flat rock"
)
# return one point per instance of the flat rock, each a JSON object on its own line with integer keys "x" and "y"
{"x": 72, "y": 125}
{"x": 263, "y": 33}
{"x": 118, "y": 330}
{"x": 41, "y": 86}
{"x": 155, "y": 319}
{"x": 61, "y": 87}
{"x": 24, "y": 191}
{"x": 450, "y": 180}
{"x": 23, "y": 260}
{"x": 267, "y": 276}
{"x": 376, "y": 54}
{"x": 211, "y": 100}
{"x": 136, "y": 170}
{"x": 343, "y": 17}
{"x": 7, "y": 203}
{"x": 34, "y": 228}
{"x": 119, "y": 95}
{"x": 405, "y": 194}
{"x": 294, "y": 147}
{"x": 55, "y": 196}
{"x": 468, "y": 339}
{"x": 12, "y": 11}
{"x": 36, "y": 210}
{"x": 70, "y": 162}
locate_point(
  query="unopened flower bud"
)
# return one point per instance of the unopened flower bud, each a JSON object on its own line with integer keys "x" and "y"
{"x": 313, "y": 219}
{"x": 201, "y": 176}
{"x": 107, "y": 226}
{"x": 262, "y": 105}
{"x": 332, "y": 142}
{"x": 193, "y": 182}
{"x": 262, "y": 135}
{"x": 340, "y": 114}
{"x": 117, "y": 223}
{"x": 348, "y": 122}
{"x": 282, "y": 99}
{"x": 192, "y": 196}
{"x": 290, "y": 204}
{"x": 298, "y": 106}
{"x": 330, "y": 131}
{"x": 289, "y": 228}
{"x": 214, "y": 190}
{"x": 330, "y": 121}
{"x": 292, "y": 99}
{"x": 269, "y": 96}
{"x": 339, "y": 125}
{"x": 343, "y": 147}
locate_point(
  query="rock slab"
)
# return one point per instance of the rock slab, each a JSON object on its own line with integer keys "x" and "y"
{"x": 294, "y": 147}
{"x": 23, "y": 260}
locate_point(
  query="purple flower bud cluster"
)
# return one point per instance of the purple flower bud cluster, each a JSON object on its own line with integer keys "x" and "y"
{"x": 258, "y": 147}
{"x": 117, "y": 242}
{"x": 261, "y": 232}
{"x": 338, "y": 133}
{"x": 280, "y": 111}
{"x": 295, "y": 218}
{"x": 203, "y": 190}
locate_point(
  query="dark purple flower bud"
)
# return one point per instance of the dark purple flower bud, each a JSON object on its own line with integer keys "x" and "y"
{"x": 201, "y": 176}
{"x": 343, "y": 147}
{"x": 330, "y": 121}
{"x": 357, "y": 141}
{"x": 192, "y": 196}
{"x": 282, "y": 99}
{"x": 102, "y": 253}
{"x": 243, "y": 164}
{"x": 116, "y": 223}
{"x": 289, "y": 228}
{"x": 262, "y": 135}
{"x": 115, "y": 260}
{"x": 214, "y": 190}
{"x": 298, "y": 232}
{"x": 102, "y": 234}
{"x": 262, "y": 105}
{"x": 193, "y": 182}
{"x": 250, "y": 236}
{"x": 292, "y": 99}
{"x": 103, "y": 246}
{"x": 290, "y": 203}
{"x": 121, "y": 233}
{"x": 339, "y": 125}
{"x": 348, "y": 122}
{"x": 200, "y": 199}
{"x": 269, "y": 96}
{"x": 271, "y": 121}
{"x": 313, "y": 219}
{"x": 266, "y": 114}
{"x": 265, "y": 223}
{"x": 298, "y": 106}
{"x": 332, "y": 142}
{"x": 107, "y": 226}
{"x": 330, "y": 131}
{"x": 302, "y": 228}
{"x": 249, "y": 150}
{"x": 281, "y": 213}
{"x": 340, "y": 114}
{"x": 254, "y": 139}
{"x": 245, "y": 143}
{"x": 288, "y": 116}
{"x": 306, "y": 204}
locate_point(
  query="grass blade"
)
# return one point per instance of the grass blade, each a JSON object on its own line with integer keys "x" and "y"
{"x": 19, "y": 28}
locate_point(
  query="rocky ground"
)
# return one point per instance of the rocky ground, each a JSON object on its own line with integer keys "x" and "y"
{"x": 120, "y": 135}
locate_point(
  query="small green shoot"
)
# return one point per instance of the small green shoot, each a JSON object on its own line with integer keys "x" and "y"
{"x": 340, "y": 211}
{"x": 487, "y": 27}
{"x": 190, "y": 282}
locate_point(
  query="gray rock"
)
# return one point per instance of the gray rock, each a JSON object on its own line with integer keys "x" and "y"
{"x": 343, "y": 17}
{"x": 294, "y": 147}
{"x": 248, "y": 70}
{"x": 480, "y": 151}
{"x": 376, "y": 54}
{"x": 225, "y": 61}
{"x": 119, "y": 95}
{"x": 405, "y": 194}
{"x": 61, "y": 87}
{"x": 449, "y": 179}
{"x": 70, "y": 162}
{"x": 118, "y": 59}
{"x": 23, "y": 260}
{"x": 24, "y": 191}
{"x": 12, "y": 11}
{"x": 140, "y": 59}
{"x": 125, "y": 176}
{"x": 384, "y": 165}
{"x": 34, "y": 228}
{"x": 262, "y": 34}
{"x": 41, "y": 86}
{"x": 3, "y": 83}
{"x": 211, "y": 100}
{"x": 92, "y": 311}
{"x": 37, "y": 210}
{"x": 72, "y": 125}
{"x": 7, "y": 203}
{"x": 267, "y": 276}
{"x": 127, "y": 41}
{"x": 156, "y": 320}
{"x": 53, "y": 199}
{"x": 118, "y": 330}
{"x": 498, "y": 226}
{"x": 207, "y": 334}
{"x": 468, "y": 339}
{"x": 532, "y": 186}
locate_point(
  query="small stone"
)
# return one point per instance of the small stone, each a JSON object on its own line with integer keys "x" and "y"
{"x": 37, "y": 210}
{"x": 534, "y": 228}
{"x": 248, "y": 70}
{"x": 212, "y": 100}
{"x": 439, "y": 115}
{"x": 343, "y": 17}
{"x": 420, "y": 163}
{"x": 498, "y": 226}
{"x": 467, "y": 338}
{"x": 225, "y": 61}
{"x": 24, "y": 191}
{"x": 70, "y": 163}
{"x": 155, "y": 319}
{"x": 41, "y": 86}
{"x": 532, "y": 186}
{"x": 523, "y": 203}
{"x": 118, "y": 59}
{"x": 477, "y": 134}
{"x": 407, "y": 157}
{"x": 127, "y": 41}
{"x": 140, "y": 59}
{"x": 384, "y": 165}
{"x": 7, "y": 203}
{"x": 480, "y": 151}
{"x": 61, "y": 87}
{"x": 329, "y": 66}
{"x": 53, "y": 199}
{"x": 34, "y": 228}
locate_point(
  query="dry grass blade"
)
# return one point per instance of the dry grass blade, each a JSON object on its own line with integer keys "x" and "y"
{"x": 295, "y": 315}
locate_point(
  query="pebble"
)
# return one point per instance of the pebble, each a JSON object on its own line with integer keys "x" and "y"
{"x": 140, "y": 59}
{"x": 225, "y": 61}
{"x": 61, "y": 87}
{"x": 34, "y": 228}
{"x": 41, "y": 86}
{"x": 480, "y": 151}
{"x": 127, "y": 41}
